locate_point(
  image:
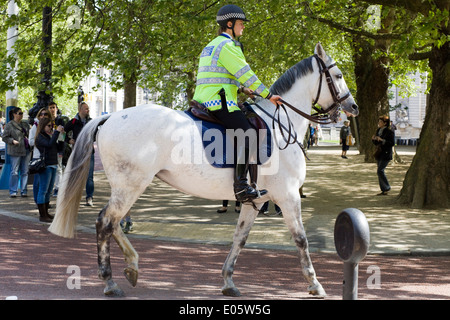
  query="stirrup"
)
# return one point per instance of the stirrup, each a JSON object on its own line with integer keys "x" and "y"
{"x": 245, "y": 197}
{"x": 255, "y": 186}
{"x": 250, "y": 198}
{"x": 260, "y": 194}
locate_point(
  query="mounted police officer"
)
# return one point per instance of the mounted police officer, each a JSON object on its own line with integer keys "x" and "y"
{"x": 222, "y": 72}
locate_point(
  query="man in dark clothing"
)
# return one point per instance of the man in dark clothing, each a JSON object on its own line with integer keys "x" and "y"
{"x": 75, "y": 126}
{"x": 78, "y": 122}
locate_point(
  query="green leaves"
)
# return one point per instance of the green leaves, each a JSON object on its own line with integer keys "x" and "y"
{"x": 157, "y": 43}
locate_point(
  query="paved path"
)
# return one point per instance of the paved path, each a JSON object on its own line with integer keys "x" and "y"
{"x": 183, "y": 242}
{"x": 37, "y": 265}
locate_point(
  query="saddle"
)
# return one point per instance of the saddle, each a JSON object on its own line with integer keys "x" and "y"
{"x": 202, "y": 113}
{"x": 199, "y": 112}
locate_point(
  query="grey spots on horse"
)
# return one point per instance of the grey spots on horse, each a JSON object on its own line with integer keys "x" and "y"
{"x": 117, "y": 203}
{"x": 301, "y": 241}
{"x": 124, "y": 166}
{"x": 243, "y": 241}
{"x": 104, "y": 231}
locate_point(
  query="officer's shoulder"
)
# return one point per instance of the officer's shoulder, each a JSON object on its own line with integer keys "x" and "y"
{"x": 230, "y": 44}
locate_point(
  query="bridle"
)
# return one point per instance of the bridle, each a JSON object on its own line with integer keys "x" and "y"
{"x": 330, "y": 114}
{"x": 332, "y": 110}
{"x": 323, "y": 116}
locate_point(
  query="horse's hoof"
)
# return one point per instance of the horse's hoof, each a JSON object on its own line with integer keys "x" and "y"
{"x": 317, "y": 291}
{"x": 131, "y": 275}
{"x": 231, "y": 292}
{"x": 113, "y": 290}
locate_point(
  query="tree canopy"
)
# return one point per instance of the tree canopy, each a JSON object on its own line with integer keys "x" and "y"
{"x": 156, "y": 43}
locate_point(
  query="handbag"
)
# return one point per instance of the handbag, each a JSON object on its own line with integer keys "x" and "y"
{"x": 349, "y": 141}
{"x": 378, "y": 152}
{"x": 36, "y": 166}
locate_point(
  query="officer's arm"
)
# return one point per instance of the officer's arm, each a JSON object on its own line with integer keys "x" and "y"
{"x": 233, "y": 60}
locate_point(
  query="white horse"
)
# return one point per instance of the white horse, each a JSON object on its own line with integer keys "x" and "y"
{"x": 137, "y": 144}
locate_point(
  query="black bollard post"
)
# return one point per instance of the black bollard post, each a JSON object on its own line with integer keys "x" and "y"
{"x": 352, "y": 239}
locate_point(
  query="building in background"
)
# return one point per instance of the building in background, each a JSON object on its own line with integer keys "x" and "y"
{"x": 102, "y": 99}
{"x": 409, "y": 113}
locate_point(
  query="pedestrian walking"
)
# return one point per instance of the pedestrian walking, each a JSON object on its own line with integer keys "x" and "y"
{"x": 312, "y": 135}
{"x": 265, "y": 209}
{"x": 344, "y": 133}
{"x": 224, "y": 208}
{"x": 384, "y": 140}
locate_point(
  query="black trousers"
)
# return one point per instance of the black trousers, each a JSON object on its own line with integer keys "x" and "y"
{"x": 232, "y": 120}
{"x": 237, "y": 120}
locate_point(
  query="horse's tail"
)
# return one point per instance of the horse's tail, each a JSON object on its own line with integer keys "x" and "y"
{"x": 74, "y": 179}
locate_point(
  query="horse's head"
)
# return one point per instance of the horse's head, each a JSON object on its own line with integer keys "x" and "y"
{"x": 333, "y": 91}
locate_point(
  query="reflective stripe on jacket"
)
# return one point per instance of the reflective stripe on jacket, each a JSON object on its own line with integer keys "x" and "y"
{"x": 222, "y": 65}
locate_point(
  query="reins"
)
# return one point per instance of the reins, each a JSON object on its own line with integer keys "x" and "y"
{"x": 330, "y": 115}
{"x": 283, "y": 127}
{"x": 291, "y": 136}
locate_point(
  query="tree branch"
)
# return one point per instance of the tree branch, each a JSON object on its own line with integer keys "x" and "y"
{"x": 420, "y": 55}
{"x": 335, "y": 25}
{"x": 98, "y": 34}
{"x": 206, "y": 7}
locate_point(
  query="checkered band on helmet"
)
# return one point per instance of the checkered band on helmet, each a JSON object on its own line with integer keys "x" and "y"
{"x": 230, "y": 12}
{"x": 230, "y": 16}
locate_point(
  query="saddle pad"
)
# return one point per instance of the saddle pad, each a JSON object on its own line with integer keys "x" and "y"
{"x": 218, "y": 146}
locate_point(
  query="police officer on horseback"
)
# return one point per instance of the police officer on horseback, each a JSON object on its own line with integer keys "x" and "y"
{"x": 222, "y": 72}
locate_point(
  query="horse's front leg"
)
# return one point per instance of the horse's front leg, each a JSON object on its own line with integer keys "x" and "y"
{"x": 105, "y": 229}
{"x": 245, "y": 222}
{"x": 293, "y": 218}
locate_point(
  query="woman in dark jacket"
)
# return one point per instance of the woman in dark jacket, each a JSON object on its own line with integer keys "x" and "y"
{"x": 384, "y": 140}
{"x": 47, "y": 142}
{"x": 16, "y": 137}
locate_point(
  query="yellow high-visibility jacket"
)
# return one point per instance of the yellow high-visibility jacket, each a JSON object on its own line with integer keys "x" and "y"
{"x": 222, "y": 65}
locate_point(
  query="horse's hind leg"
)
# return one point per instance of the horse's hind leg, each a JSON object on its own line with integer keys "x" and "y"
{"x": 107, "y": 225}
{"x": 245, "y": 223}
{"x": 292, "y": 216}
{"x": 105, "y": 229}
{"x": 131, "y": 256}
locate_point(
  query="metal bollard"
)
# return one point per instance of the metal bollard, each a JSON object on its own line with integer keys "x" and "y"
{"x": 351, "y": 239}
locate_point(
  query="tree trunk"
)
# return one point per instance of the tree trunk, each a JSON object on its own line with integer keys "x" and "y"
{"x": 130, "y": 87}
{"x": 426, "y": 183}
{"x": 372, "y": 81}
{"x": 190, "y": 89}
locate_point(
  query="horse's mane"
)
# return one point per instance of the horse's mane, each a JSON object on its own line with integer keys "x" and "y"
{"x": 286, "y": 81}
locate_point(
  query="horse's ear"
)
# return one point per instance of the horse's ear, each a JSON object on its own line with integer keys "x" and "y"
{"x": 320, "y": 52}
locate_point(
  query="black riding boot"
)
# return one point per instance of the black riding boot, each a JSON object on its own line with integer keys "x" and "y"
{"x": 242, "y": 190}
